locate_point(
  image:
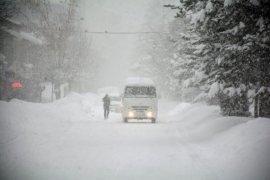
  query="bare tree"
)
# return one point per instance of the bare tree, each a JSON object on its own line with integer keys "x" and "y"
{"x": 66, "y": 49}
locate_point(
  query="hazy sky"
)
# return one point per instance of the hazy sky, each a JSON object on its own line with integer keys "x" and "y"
{"x": 117, "y": 50}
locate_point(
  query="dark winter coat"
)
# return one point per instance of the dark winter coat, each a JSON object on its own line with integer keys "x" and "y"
{"x": 106, "y": 101}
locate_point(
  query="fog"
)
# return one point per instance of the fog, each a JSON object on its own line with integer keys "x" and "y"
{"x": 80, "y": 45}
{"x": 117, "y": 51}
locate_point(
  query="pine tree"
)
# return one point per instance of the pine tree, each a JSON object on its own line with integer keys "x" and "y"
{"x": 235, "y": 35}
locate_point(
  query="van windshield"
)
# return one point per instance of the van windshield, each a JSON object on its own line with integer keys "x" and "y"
{"x": 140, "y": 91}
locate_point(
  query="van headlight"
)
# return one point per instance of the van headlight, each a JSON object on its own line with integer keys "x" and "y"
{"x": 149, "y": 114}
{"x": 130, "y": 114}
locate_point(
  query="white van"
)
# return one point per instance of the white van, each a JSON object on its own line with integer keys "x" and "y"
{"x": 139, "y": 100}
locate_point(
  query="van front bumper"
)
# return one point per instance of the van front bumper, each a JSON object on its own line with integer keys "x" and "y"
{"x": 139, "y": 115}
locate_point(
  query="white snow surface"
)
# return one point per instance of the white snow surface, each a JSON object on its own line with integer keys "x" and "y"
{"x": 198, "y": 17}
{"x": 214, "y": 89}
{"x": 228, "y": 2}
{"x": 209, "y": 6}
{"x": 69, "y": 139}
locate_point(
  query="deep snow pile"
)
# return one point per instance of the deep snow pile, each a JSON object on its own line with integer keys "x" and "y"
{"x": 20, "y": 117}
{"x": 238, "y": 147}
{"x": 30, "y": 132}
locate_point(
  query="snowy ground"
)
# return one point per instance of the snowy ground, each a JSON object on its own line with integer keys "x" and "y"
{"x": 69, "y": 139}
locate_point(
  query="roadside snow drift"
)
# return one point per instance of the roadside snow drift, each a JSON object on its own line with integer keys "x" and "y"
{"x": 236, "y": 147}
{"x": 69, "y": 139}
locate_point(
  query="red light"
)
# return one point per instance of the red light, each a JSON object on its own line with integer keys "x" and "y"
{"x": 16, "y": 85}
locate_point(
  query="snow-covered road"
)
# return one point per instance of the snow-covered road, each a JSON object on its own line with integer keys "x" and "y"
{"x": 69, "y": 139}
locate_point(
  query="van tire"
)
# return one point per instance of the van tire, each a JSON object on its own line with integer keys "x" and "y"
{"x": 153, "y": 120}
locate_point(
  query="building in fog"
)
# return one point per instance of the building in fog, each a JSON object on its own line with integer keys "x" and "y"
{"x": 17, "y": 63}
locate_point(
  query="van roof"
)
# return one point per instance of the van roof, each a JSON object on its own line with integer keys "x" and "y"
{"x": 139, "y": 81}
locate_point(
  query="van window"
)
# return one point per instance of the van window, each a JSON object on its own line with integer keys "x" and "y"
{"x": 140, "y": 91}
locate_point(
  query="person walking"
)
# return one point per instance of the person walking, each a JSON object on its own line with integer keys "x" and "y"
{"x": 106, "y": 105}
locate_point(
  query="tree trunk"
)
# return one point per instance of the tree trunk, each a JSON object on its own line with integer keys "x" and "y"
{"x": 264, "y": 108}
{"x": 256, "y": 113}
{"x": 52, "y": 91}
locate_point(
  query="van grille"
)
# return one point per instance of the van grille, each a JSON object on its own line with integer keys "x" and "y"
{"x": 140, "y": 107}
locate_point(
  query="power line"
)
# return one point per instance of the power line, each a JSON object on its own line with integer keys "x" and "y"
{"x": 124, "y": 32}
{"x": 109, "y": 32}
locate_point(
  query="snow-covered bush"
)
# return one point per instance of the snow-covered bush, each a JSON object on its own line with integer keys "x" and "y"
{"x": 234, "y": 105}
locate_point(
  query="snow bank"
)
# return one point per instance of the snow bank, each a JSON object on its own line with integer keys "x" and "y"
{"x": 239, "y": 145}
{"x": 19, "y": 117}
{"x": 179, "y": 109}
{"x": 244, "y": 150}
{"x": 34, "y": 133}
{"x": 202, "y": 122}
